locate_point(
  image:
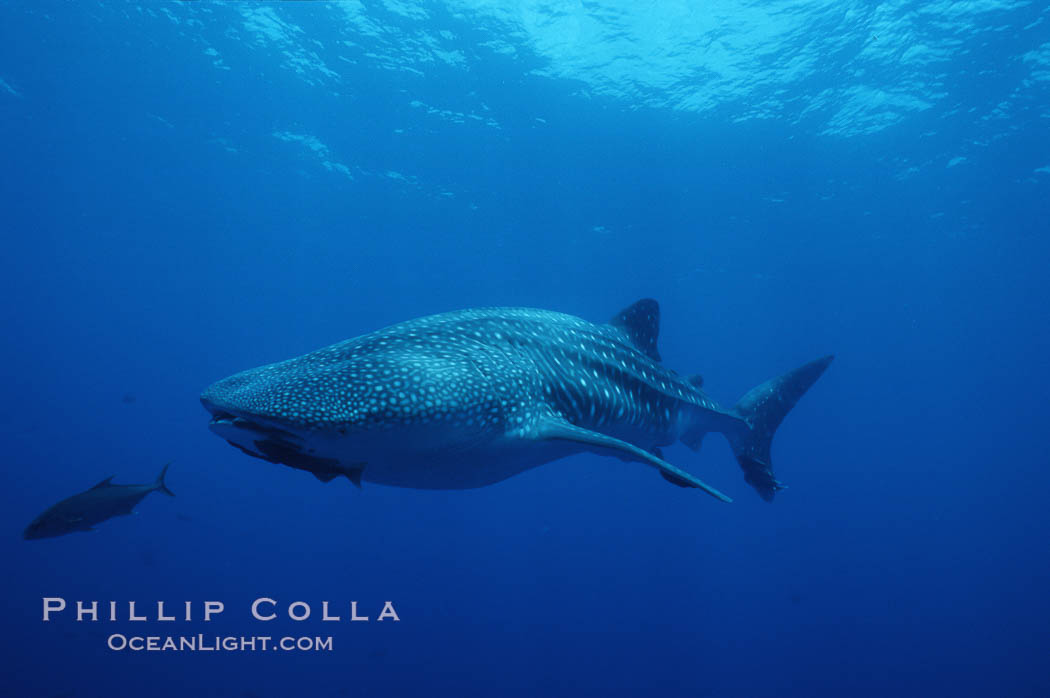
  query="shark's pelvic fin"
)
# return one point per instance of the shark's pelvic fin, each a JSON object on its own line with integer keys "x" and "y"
{"x": 554, "y": 428}
{"x": 324, "y": 475}
{"x": 673, "y": 479}
{"x": 352, "y": 474}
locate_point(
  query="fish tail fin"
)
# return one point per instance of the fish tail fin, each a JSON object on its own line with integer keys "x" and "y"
{"x": 763, "y": 408}
{"x": 160, "y": 484}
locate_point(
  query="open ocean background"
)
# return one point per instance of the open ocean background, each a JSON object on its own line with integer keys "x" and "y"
{"x": 192, "y": 189}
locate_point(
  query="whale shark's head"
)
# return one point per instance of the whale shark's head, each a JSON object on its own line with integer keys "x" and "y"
{"x": 271, "y": 412}
{"x": 338, "y": 407}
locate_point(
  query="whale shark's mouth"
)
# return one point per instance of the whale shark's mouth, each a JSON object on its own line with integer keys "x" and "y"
{"x": 254, "y": 436}
{"x": 264, "y": 441}
{"x": 275, "y": 445}
{"x": 222, "y": 420}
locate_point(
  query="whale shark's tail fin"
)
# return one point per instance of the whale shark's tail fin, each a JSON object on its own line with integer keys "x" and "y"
{"x": 764, "y": 407}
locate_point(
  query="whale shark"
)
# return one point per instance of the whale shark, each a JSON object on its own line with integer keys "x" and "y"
{"x": 469, "y": 398}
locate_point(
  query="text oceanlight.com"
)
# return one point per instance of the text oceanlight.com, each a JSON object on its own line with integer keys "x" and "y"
{"x": 216, "y": 643}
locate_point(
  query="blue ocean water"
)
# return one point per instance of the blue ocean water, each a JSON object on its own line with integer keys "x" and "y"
{"x": 191, "y": 189}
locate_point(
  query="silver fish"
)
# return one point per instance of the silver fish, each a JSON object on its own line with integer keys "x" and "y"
{"x": 83, "y": 511}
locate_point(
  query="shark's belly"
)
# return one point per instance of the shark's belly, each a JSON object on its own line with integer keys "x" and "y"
{"x": 461, "y": 467}
{"x": 448, "y": 458}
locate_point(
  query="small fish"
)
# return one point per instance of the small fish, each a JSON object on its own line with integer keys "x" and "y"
{"x": 82, "y": 511}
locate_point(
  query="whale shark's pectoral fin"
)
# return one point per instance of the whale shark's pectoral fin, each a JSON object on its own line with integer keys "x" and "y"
{"x": 556, "y": 429}
{"x": 675, "y": 480}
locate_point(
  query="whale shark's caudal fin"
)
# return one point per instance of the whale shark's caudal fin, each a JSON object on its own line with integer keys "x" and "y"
{"x": 763, "y": 408}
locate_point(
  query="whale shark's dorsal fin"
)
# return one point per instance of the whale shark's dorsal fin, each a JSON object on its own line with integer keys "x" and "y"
{"x": 641, "y": 323}
{"x": 104, "y": 483}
